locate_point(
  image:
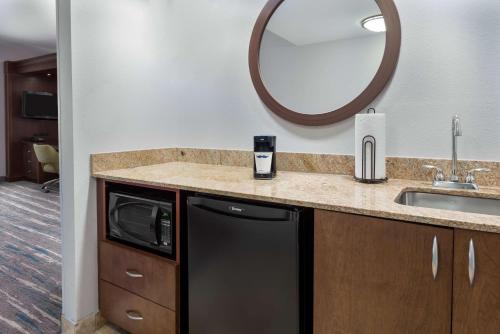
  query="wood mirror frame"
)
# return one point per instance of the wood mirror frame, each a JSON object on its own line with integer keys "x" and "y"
{"x": 376, "y": 86}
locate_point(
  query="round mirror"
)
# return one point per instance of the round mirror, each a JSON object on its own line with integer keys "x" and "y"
{"x": 316, "y": 62}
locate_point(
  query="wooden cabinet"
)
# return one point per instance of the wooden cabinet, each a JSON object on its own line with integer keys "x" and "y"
{"x": 371, "y": 276}
{"x": 376, "y": 276}
{"x": 133, "y": 313}
{"x": 476, "y": 295}
{"x": 138, "y": 290}
{"x": 139, "y": 272}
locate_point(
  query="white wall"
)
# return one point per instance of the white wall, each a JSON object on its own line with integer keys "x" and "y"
{"x": 161, "y": 73}
{"x": 319, "y": 77}
{"x": 11, "y": 52}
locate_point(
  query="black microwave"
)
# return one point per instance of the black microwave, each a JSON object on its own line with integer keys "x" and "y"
{"x": 143, "y": 221}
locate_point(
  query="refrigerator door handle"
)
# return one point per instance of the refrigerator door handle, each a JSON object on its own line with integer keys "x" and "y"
{"x": 242, "y": 210}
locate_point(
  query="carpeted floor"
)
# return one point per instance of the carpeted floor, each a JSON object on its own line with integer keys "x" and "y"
{"x": 30, "y": 260}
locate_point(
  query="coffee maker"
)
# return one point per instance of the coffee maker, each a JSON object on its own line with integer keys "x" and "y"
{"x": 264, "y": 166}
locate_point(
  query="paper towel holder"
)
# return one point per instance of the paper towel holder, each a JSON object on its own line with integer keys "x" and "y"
{"x": 369, "y": 141}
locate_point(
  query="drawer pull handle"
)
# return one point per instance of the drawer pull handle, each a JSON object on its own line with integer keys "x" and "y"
{"x": 435, "y": 257}
{"x": 134, "y": 274}
{"x": 134, "y": 315}
{"x": 472, "y": 262}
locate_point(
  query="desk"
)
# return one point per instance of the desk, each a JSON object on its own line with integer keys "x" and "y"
{"x": 32, "y": 168}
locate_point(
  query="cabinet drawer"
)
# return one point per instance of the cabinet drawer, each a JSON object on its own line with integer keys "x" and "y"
{"x": 133, "y": 313}
{"x": 143, "y": 274}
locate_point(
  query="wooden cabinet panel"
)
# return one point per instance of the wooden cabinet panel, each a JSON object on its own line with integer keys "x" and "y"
{"x": 476, "y": 307}
{"x": 375, "y": 276}
{"x": 144, "y": 274}
{"x": 30, "y": 162}
{"x": 121, "y": 307}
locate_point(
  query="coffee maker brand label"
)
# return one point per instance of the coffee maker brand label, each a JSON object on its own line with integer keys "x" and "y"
{"x": 263, "y": 161}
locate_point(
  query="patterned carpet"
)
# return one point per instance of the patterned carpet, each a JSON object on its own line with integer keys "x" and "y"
{"x": 30, "y": 260}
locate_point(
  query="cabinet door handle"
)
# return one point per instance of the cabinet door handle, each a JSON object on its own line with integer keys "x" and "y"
{"x": 472, "y": 262}
{"x": 134, "y": 274}
{"x": 134, "y": 315}
{"x": 435, "y": 257}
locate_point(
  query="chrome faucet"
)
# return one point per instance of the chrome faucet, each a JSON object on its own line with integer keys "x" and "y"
{"x": 454, "y": 182}
{"x": 456, "y": 131}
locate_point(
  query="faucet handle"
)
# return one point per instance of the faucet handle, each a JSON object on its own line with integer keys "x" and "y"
{"x": 470, "y": 178}
{"x": 439, "y": 172}
{"x": 456, "y": 126}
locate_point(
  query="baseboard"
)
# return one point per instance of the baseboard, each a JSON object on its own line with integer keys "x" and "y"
{"x": 3, "y": 178}
{"x": 87, "y": 325}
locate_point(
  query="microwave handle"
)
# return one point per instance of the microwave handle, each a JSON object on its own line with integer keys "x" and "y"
{"x": 156, "y": 220}
{"x": 113, "y": 214}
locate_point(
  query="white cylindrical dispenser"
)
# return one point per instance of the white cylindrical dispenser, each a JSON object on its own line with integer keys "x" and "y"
{"x": 370, "y": 147}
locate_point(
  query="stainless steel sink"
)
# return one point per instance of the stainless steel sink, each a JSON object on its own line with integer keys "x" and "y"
{"x": 487, "y": 206}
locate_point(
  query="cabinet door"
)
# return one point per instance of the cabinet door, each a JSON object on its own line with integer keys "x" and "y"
{"x": 376, "y": 276}
{"x": 476, "y": 295}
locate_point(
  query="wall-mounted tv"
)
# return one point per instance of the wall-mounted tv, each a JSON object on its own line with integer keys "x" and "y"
{"x": 40, "y": 105}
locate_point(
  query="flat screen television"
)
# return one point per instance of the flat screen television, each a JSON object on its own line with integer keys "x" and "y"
{"x": 40, "y": 105}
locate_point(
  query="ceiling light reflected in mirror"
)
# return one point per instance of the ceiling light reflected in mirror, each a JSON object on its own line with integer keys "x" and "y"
{"x": 374, "y": 23}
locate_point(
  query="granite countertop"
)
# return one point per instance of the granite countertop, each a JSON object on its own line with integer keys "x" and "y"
{"x": 322, "y": 191}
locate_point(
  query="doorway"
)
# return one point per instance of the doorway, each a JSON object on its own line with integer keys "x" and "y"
{"x": 30, "y": 224}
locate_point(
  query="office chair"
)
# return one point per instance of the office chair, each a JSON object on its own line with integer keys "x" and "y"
{"x": 48, "y": 156}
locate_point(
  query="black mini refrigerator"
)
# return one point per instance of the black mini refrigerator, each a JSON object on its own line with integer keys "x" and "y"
{"x": 248, "y": 268}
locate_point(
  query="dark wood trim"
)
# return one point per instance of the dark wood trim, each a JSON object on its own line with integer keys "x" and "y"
{"x": 140, "y": 184}
{"x": 376, "y": 86}
{"x": 9, "y": 83}
{"x": 101, "y": 210}
{"x": 36, "y": 64}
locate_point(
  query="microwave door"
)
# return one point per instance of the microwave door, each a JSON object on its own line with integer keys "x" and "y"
{"x": 137, "y": 221}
